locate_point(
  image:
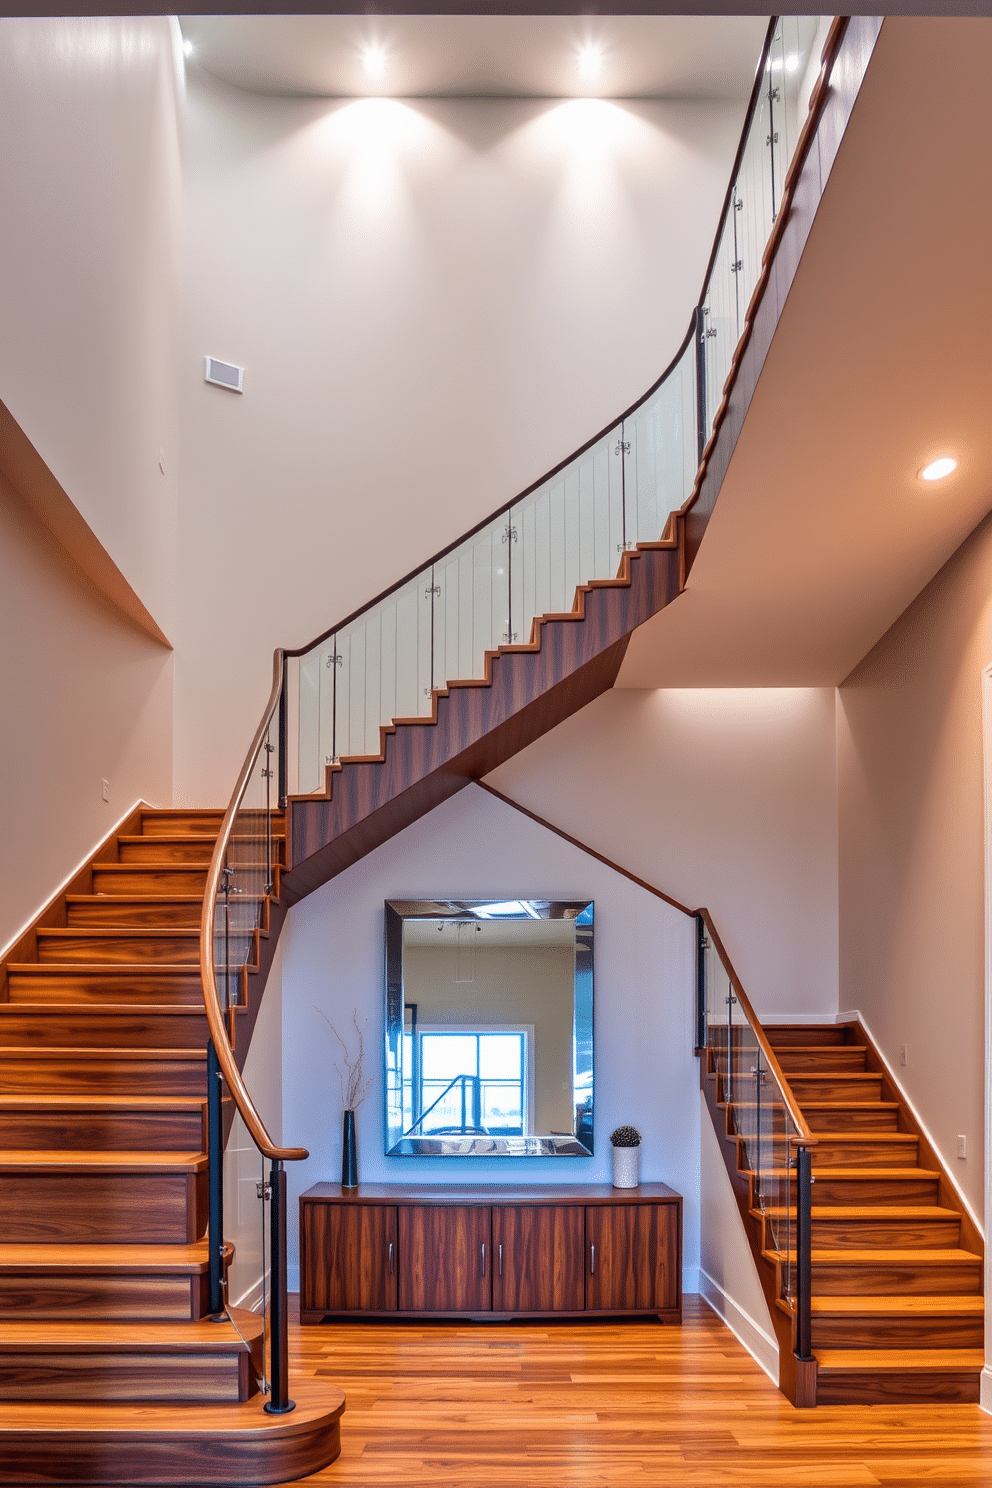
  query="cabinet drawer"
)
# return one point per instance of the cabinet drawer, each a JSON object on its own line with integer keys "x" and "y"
{"x": 348, "y": 1260}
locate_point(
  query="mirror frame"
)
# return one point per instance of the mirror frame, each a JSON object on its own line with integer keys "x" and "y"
{"x": 577, "y": 1144}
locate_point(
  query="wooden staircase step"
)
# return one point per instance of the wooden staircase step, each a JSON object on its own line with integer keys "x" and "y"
{"x": 107, "y": 1122}
{"x": 894, "y": 1376}
{"x": 850, "y": 1115}
{"x": 890, "y": 1227}
{"x": 187, "y": 848}
{"x": 177, "y": 821}
{"x": 854, "y": 1186}
{"x": 840, "y": 1085}
{"x": 102, "y": 1198}
{"x": 836, "y": 1058}
{"x": 903, "y": 1322}
{"x": 103, "y": 944}
{"x": 792, "y": 1035}
{"x": 104, "y": 1282}
{"x": 107, "y": 1360}
{"x": 866, "y": 1150}
{"x": 105, "y": 1025}
{"x": 73, "y": 1071}
{"x": 876, "y": 1272}
{"x": 163, "y": 879}
{"x": 215, "y": 1446}
{"x": 32, "y": 982}
{"x": 140, "y": 910}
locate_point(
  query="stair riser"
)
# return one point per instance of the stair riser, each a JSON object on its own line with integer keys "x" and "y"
{"x": 868, "y": 1190}
{"x": 159, "y": 851}
{"x": 918, "y": 1279}
{"x": 124, "y": 1131}
{"x": 915, "y": 1387}
{"x": 125, "y": 1376}
{"x": 103, "y": 1031}
{"x": 134, "y": 880}
{"x": 85, "y": 913}
{"x": 784, "y": 1035}
{"x": 102, "y": 1077}
{"x": 103, "y": 949}
{"x": 180, "y": 823}
{"x": 118, "y": 1298}
{"x": 822, "y": 1119}
{"x": 808, "y": 1089}
{"x": 867, "y": 1154}
{"x": 102, "y": 1209}
{"x": 898, "y": 1333}
{"x": 835, "y": 1061}
{"x": 847, "y": 1234}
{"x": 149, "y": 988}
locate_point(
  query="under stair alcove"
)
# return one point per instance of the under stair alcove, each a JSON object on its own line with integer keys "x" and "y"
{"x": 127, "y": 1009}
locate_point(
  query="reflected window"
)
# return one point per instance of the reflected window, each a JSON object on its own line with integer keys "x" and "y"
{"x": 469, "y": 1083}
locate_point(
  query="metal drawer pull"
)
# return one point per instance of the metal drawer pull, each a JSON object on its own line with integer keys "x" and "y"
{"x": 390, "y": 1257}
{"x": 501, "y": 1260}
{"x": 483, "y": 1272}
{"x": 592, "y": 1260}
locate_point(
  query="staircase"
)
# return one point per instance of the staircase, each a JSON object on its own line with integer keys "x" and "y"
{"x": 110, "y": 1370}
{"x": 897, "y": 1308}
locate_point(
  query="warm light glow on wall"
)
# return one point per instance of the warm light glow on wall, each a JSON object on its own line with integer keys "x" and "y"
{"x": 374, "y": 62}
{"x": 939, "y": 469}
{"x": 371, "y": 139}
{"x": 590, "y": 63}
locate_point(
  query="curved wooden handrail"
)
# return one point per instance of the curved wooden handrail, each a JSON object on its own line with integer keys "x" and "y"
{"x": 211, "y": 996}
{"x": 805, "y": 1137}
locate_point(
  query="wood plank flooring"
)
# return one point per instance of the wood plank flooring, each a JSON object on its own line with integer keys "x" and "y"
{"x": 607, "y": 1406}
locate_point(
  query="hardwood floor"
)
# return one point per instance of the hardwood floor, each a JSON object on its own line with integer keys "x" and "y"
{"x": 523, "y": 1406}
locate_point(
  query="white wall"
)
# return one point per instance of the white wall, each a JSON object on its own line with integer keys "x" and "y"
{"x": 476, "y": 847}
{"x": 720, "y": 797}
{"x": 89, "y": 179}
{"x": 912, "y": 905}
{"x": 435, "y": 302}
{"x": 86, "y": 696}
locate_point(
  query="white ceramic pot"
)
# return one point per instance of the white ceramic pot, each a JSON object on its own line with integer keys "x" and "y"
{"x": 626, "y": 1167}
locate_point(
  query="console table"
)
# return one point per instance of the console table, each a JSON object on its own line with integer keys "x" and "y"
{"x": 490, "y": 1251}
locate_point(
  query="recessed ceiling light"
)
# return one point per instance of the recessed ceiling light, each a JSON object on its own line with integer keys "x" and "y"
{"x": 590, "y": 62}
{"x": 374, "y": 62}
{"x": 937, "y": 469}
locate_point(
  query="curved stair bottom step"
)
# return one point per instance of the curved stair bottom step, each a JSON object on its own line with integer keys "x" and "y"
{"x": 90, "y": 1443}
{"x": 898, "y": 1376}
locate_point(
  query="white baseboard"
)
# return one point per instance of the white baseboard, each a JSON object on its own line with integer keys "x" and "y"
{"x": 798, "y": 1019}
{"x": 762, "y": 1347}
{"x": 985, "y": 1390}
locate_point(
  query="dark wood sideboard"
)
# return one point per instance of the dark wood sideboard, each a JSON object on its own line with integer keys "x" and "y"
{"x": 487, "y": 1251}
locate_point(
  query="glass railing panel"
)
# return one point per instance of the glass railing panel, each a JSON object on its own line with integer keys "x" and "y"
{"x": 471, "y": 604}
{"x": 661, "y": 462}
{"x": 757, "y": 196}
{"x": 722, "y": 315}
{"x": 246, "y": 1216}
{"x": 382, "y": 662}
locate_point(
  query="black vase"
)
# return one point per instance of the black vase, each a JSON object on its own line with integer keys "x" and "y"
{"x": 349, "y": 1153}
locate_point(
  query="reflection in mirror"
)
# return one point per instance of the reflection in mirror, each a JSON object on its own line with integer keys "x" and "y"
{"x": 489, "y": 1020}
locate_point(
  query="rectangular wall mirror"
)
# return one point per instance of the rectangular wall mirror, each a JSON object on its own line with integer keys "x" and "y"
{"x": 489, "y": 1028}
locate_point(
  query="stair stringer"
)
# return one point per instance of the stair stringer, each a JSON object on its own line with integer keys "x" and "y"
{"x": 797, "y": 1378}
{"x": 477, "y": 724}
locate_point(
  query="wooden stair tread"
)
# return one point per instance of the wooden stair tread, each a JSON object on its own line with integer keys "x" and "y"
{"x": 29, "y": 1102}
{"x": 966, "y": 1302}
{"x": 71, "y": 1335}
{"x": 116, "y": 1054}
{"x": 876, "y": 1211}
{"x": 101, "y": 1009}
{"x": 118, "y": 1421}
{"x": 181, "y": 1260}
{"x": 68, "y": 1161}
{"x": 838, "y": 1138}
{"x": 936, "y": 1361}
{"x": 868, "y": 1174}
{"x": 948, "y": 1257}
{"x": 103, "y": 968}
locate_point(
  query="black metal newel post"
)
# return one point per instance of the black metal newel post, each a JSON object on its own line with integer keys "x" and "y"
{"x": 215, "y": 1153}
{"x": 278, "y": 1402}
{"x": 700, "y": 984}
{"x": 804, "y": 1261}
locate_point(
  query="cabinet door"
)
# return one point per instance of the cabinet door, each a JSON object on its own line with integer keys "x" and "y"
{"x": 348, "y": 1258}
{"x": 537, "y": 1258}
{"x": 445, "y": 1258}
{"x": 632, "y": 1257}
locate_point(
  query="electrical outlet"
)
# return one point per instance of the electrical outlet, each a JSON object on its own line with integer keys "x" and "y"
{"x": 962, "y": 1146}
{"x": 903, "y": 1054}
{"x": 105, "y": 784}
